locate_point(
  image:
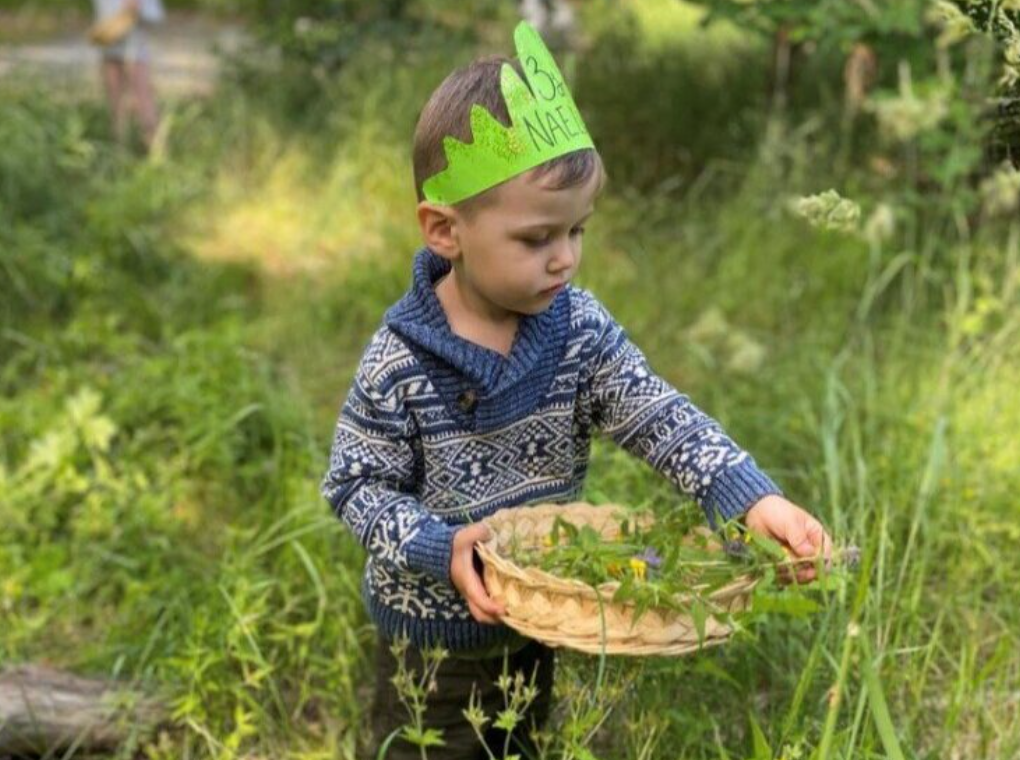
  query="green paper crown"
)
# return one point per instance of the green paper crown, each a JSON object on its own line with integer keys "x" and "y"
{"x": 544, "y": 124}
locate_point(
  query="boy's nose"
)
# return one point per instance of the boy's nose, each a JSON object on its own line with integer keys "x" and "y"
{"x": 562, "y": 258}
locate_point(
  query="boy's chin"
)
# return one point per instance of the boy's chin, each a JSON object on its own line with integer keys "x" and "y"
{"x": 531, "y": 306}
{"x": 535, "y": 307}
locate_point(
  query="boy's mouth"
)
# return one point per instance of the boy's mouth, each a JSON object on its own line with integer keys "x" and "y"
{"x": 554, "y": 289}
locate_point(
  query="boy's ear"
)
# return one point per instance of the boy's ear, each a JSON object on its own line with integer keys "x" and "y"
{"x": 439, "y": 229}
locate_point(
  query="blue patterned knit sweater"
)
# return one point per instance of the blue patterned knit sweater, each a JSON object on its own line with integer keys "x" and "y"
{"x": 438, "y": 431}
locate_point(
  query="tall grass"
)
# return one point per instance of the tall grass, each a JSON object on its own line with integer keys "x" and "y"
{"x": 177, "y": 336}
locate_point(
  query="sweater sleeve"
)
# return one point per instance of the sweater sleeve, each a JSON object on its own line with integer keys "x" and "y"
{"x": 649, "y": 418}
{"x": 370, "y": 483}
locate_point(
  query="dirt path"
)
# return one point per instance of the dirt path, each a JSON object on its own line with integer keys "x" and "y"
{"x": 184, "y": 55}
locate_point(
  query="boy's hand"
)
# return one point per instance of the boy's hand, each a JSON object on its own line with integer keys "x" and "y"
{"x": 801, "y": 533}
{"x": 467, "y": 579}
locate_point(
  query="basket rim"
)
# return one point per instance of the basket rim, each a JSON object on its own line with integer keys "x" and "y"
{"x": 536, "y": 577}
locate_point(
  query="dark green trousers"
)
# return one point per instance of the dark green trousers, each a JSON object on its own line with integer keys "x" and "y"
{"x": 443, "y": 706}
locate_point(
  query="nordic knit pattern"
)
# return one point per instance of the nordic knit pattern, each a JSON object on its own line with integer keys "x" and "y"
{"x": 438, "y": 431}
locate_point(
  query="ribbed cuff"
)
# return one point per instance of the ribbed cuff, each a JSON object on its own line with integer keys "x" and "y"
{"x": 458, "y": 635}
{"x": 430, "y": 549}
{"x": 735, "y": 490}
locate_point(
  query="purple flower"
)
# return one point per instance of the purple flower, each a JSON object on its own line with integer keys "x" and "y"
{"x": 650, "y": 557}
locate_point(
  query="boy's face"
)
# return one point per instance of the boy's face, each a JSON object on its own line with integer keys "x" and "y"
{"x": 516, "y": 251}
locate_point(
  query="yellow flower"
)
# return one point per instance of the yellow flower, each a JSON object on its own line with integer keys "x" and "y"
{"x": 547, "y": 540}
{"x": 638, "y": 566}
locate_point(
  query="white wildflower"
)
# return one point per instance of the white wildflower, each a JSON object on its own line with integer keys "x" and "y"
{"x": 827, "y": 211}
{"x": 880, "y": 224}
{"x": 902, "y": 117}
{"x": 955, "y": 25}
{"x": 1000, "y": 192}
{"x": 1011, "y": 63}
{"x": 710, "y": 326}
{"x": 746, "y": 354}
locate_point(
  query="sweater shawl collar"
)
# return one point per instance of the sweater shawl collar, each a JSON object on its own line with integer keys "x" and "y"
{"x": 506, "y": 387}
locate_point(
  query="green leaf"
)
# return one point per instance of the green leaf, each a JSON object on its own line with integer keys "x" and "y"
{"x": 710, "y": 667}
{"x": 700, "y": 615}
{"x": 879, "y": 707}
{"x": 785, "y": 603}
{"x": 762, "y": 751}
{"x": 384, "y": 748}
{"x": 770, "y": 547}
{"x": 507, "y": 719}
{"x": 430, "y": 737}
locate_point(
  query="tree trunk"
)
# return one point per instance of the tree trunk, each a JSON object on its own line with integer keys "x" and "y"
{"x": 43, "y": 710}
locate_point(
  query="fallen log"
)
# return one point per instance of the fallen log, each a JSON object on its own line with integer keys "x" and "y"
{"x": 43, "y": 710}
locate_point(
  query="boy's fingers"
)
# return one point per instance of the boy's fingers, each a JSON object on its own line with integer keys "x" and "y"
{"x": 468, "y": 580}
{"x": 809, "y": 542}
{"x": 822, "y": 547}
{"x": 480, "y": 616}
{"x": 807, "y": 538}
{"x": 483, "y": 614}
{"x": 805, "y": 572}
{"x": 477, "y": 594}
{"x": 798, "y": 540}
{"x": 478, "y": 532}
{"x": 818, "y": 538}
{"x": 470, "y": 535}
{"x": 789, "y": 575}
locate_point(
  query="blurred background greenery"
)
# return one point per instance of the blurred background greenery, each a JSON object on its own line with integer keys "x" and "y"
{"x": 178, "y": 331}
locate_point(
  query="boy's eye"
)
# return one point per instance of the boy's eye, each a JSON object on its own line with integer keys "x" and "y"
{"x": 539, "y": 242}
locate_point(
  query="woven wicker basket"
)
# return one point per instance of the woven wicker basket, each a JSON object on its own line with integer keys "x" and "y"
{"x": 562, "y": 612}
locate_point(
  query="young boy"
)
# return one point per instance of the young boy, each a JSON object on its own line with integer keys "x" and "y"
{"x": 485, "y": 383}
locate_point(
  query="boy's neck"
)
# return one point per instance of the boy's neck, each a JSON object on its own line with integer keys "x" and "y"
{"x": 474, "y": 318}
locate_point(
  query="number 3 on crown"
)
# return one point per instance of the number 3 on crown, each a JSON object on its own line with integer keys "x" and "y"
{"x": 555, "y": 85}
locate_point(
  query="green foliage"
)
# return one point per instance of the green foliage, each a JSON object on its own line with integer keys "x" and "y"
{"x": 146, "y": 453}
{"x": 175, "y": 337}
{"x": 660, "y": 114}
{"x": 663, "y": 562}
{"x": 314, "y": 40}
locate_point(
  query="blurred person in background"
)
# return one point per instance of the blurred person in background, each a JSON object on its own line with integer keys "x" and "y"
{"x": 125, "y": 63}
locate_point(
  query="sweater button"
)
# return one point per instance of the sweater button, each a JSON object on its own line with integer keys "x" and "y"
{"x": 467, "y": 401}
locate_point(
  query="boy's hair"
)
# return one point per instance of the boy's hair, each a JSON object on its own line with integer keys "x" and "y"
{"x": 448, "y": 112}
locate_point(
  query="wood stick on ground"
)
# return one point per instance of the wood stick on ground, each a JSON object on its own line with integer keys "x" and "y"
{"x": 43, "y": 710}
